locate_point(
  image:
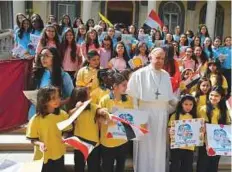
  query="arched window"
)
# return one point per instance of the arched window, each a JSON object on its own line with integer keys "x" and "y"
{"x": 172, "y": 14}
{"x": 219, "y": 19}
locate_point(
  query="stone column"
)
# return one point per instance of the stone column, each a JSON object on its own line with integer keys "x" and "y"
{"x": 151, "y": 6}
{"x": 86, "y": 10}
{"x": 210, "y": 17}
{"x": 18, "y": 7}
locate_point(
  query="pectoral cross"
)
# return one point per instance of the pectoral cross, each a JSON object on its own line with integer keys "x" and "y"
{"x": 157, "y": 94}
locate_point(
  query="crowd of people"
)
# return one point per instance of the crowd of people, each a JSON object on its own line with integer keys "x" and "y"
{"x": 74, "y": 62}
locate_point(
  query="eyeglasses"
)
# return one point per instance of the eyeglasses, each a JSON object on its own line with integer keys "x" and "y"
{"x": 45, "y": 56}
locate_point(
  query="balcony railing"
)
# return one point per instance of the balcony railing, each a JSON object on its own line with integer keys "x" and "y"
{"x": 6, "y": 44}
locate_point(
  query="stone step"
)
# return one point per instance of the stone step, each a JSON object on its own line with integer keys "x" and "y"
{"x": 16, "y": 146}
{"x": 18, "y": 142}
{"x": 27, "y": 156}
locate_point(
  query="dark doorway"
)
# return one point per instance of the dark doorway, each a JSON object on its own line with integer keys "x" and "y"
{"x": 120, "y": 12}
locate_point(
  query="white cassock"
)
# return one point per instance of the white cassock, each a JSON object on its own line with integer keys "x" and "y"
{"x": 143, "y": 86}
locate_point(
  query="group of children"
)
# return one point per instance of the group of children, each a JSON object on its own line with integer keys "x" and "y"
{"x": 84, "y": 65}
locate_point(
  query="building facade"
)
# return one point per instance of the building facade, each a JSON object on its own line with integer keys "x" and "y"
{"x": 187, "y": 14}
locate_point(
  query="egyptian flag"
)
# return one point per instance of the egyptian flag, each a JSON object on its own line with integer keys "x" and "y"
{"x": 85, "y": 146}
{"x": 154, "y": 21}
{"x": 131, "y": 131}
{"x": 193, "y": 80}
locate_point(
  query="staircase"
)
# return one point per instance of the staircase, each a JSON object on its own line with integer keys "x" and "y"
{"x": 15, "y": 147}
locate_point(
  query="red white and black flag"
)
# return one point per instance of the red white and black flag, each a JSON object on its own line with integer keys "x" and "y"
{"x": 85, "y": 146}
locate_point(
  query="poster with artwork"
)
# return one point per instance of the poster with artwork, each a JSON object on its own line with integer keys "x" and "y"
{"x": 143, "y": 38}
{"x": 127, "y": 39}
{"x": 133, "y": 127}
{"x": 34, "y": 39}
{"x": 185, "y": 133}
{"x": 218, "y": 139}
{"x": 19, "y": 52}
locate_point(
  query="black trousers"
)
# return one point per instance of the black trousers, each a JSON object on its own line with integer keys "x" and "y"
{"x": 54, "y": 165}
{"x": 93, "y": 161}
{"x": 227, "y": 75}
{"x": 118, "y": 154}
{"x": 181, "y": 160}
{"x": 207, "y": 163}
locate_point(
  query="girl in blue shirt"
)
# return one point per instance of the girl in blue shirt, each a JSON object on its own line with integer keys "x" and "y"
{"x": 23, "y": 34}
{"x": 203, "y": 32}
{"x": 207, "y": 48}
{"x": 81, "y": 34}
{"x": 37, "y": 27}
{"x": 19, "y": 19}
{"x": 65, "y": 23}
{"x": 216, "y": 48}
{"x": 47, "y": 72}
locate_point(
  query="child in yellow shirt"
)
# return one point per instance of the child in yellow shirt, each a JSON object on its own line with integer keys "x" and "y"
{"x": 182, "y": 158}
{"x": 202, "y": 92}
{"x": 86, "y": 129}
{"x": 43, "y": 132}
{"x": 114, "y": 149}
{"x": 214, "y": 112}
{"x": 87, "y": 75}
{"x": 105, "y": 85}
{"x": 214, "y": 74}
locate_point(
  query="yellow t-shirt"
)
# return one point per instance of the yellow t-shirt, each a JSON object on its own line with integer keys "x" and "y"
{"x": 45, "y": 130}
{"x": 109, "y": 102}
{"x": 182, "y": 117}
{"x": 85, "y": 125}
{"x": 97, "y": 94}
{"x": 213, "y": 79}
{"x": 87, "y": 77}
{"x": 201, "y": 102}
{"x": 216, "y": 114}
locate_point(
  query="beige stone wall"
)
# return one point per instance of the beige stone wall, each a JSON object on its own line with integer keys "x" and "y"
{"x": 43, "y": 8}
{"x": 94, "y": 11}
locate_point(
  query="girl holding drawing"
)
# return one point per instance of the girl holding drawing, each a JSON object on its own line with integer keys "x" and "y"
{"x": 182, "y": 158}
{"x": 114, "y": 149}
{"x": 214, "y": 112}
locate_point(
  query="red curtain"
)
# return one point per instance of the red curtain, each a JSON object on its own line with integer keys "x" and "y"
{"x": 14, "y": 106}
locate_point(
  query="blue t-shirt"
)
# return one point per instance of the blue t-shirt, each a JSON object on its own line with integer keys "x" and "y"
{"x": 24, "y": 41}
{"x": 176, "y": 38}
{"x": 227, "y": 51}
{"x": 46, "y": 81}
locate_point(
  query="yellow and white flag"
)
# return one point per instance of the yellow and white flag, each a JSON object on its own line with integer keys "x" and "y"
{"x": 105, "y": 19}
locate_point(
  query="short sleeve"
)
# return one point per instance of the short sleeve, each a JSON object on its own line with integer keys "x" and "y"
{"x": 228, "y": 118}
{"x": 80, "y": 78}
{"x": 64, "y": 117}
{"x": 32, "y": 128}
{"x": 224, "y": 83}
{"x": 201, "y": 113}
{"x": 172, "y": 118}
{"x": 67, "y": 85}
